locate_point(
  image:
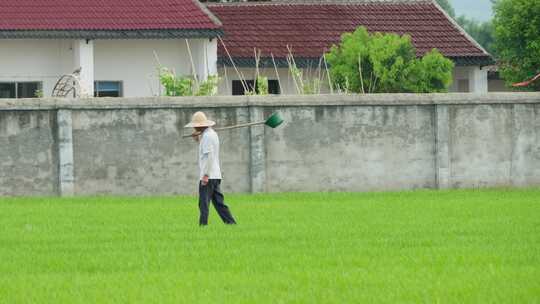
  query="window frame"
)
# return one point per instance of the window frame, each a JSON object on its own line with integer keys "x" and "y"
{"x": 251, "y": 84}
{"x": 16, "y": 85}
{"x": 120, "y": 88}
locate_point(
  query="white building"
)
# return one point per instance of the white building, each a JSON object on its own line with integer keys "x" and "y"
{"x": 311, "y": 27}
{"x": 114, "y": 45}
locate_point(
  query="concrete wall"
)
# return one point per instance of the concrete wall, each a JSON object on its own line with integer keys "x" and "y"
{"x": 28, "y": 153}
{"x": 495, "y": 145}
{"x": 140, "y": 151}
{"x": 132, "y": 146}
{"x": 344, "y": 148}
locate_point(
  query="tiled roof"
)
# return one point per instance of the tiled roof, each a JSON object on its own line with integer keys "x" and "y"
{"x": 105, "y": 15}
{"x": 311, "y": 28}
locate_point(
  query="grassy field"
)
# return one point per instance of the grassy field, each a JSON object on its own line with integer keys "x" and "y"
{"x": 410, "y": 247}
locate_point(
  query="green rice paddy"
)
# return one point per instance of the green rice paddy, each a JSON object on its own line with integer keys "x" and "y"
{"x": 474, "y": 246}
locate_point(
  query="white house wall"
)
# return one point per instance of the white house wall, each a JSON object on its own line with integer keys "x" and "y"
{"x": 35, "y": 60}
{"x": 228, "y": 74}
{"x": 204, "y": 51}
{"x": 470, "y": 79}
{"x": 478, "y": 79}
{"x": 83, "y": 58}
{"x": 133, "y": 62}
{"x": 465, "y": 79}
{"x": 130, "y": 61}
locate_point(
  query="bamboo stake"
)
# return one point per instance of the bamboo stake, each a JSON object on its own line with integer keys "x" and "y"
{"x": 291, "y": 70}
{"x": 257, "y": 58}
{"x": 242, "y": 80}
{"x": 328, "y": 74}
{"x": 226, "y": 78}
{"x": 156, "y": 58}
{"x": 207, "y": 66}
{"x": 309, "y": 78}
{"x": 277, "y": 74}
{"x": 257, "y": 72}
{"x": 361, "y": 77}
{"x": 319, "y": 68}
{"x": 194, "y": 73}
{"x": 374, "y": 84}
{"x": 294, "y": 62}
{"x": 371, "y": 82}
{"x": 245, "y": 84}
{"x": 159, "y": 71}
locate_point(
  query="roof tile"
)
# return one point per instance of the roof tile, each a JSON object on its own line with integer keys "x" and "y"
{"x": 103, "y": 15}
{"x": 311, "y": 29}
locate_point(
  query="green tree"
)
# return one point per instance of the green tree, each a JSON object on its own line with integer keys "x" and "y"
{"x": 386, "y": 63}
{"x": 447, "y": 7}
{"x": 482, "y": 32}
{"x": 517, "y": 39}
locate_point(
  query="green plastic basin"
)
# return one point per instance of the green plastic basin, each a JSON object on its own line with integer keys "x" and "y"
{"x": 274, "y": 120}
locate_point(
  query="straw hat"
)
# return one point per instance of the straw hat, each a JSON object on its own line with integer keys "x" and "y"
{"x": 199, "y": 120}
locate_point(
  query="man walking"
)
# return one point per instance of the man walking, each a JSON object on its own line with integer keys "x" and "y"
{"x": 210, "y": 172}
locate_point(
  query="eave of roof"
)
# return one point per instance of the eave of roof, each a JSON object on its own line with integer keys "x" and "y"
{"x": 312, "y": 2}
{"x": 306, "y": 62}
{"x": 111, "y": 34}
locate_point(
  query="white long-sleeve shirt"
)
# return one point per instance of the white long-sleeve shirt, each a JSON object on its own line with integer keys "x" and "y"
{"x": 209, "y": 155}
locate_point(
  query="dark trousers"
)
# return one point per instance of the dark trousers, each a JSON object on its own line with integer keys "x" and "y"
{"x": 212, "y": 192}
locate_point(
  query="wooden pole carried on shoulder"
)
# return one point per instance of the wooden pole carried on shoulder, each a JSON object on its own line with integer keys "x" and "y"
{"x": 273, "y": 122}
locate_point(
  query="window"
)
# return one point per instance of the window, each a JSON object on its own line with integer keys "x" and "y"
{"x": 7, "y": 90}
{"x": 238, "y": 89}
{"x": 108, "y": 89}
{"x": 273, "y": 87}
{"x": 20, "y": 89}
